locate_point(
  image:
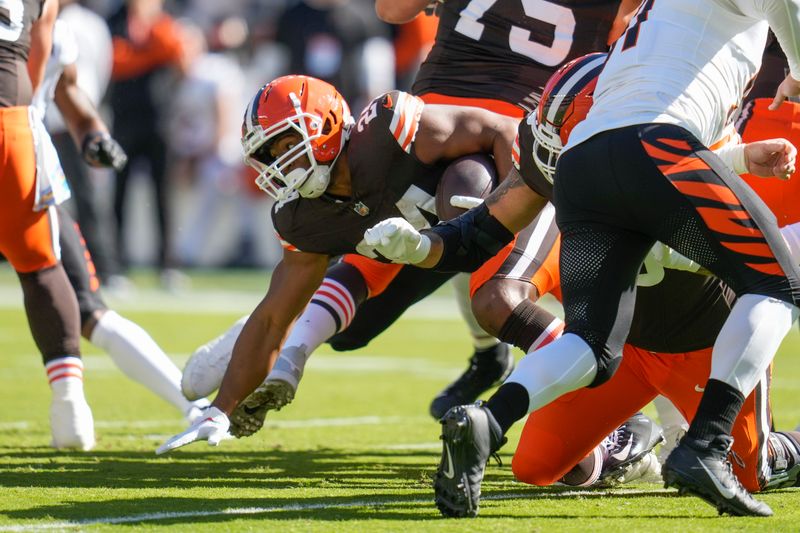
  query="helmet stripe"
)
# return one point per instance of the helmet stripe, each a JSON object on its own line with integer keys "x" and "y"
{"x": 251, "y": 115}
{"x": 572, "y": 84}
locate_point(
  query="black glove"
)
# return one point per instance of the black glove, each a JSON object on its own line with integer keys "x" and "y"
{"x": 100, "y": 150}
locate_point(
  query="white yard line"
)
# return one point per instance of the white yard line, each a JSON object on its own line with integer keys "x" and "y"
{"x": 208, "y": 301}
{"x": 274, "y": 424}
{"x": 204, "y": 302}
{"x": 244, "y": 511}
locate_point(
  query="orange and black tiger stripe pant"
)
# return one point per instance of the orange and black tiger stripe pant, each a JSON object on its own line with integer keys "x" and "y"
{"x": 622, "y": 190}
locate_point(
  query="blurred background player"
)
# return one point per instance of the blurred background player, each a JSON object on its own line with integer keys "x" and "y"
{"x": 148, "y": 49}
{"x": 130, "y": 347}
{"x": 93, "y": 63}
{"x": 29, "y": 222}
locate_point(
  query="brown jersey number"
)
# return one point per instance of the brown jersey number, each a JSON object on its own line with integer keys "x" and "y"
{"x": 519, "y": 39}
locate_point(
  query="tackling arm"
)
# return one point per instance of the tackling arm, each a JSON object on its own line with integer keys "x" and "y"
{"x": 464, "y": 243}
{"x": 509, "y": 209}
{"x": 293, "y": 283}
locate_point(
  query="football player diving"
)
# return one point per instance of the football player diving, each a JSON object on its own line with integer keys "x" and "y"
{"x": 500, "y": 295}
{"x": 332, "y": 178}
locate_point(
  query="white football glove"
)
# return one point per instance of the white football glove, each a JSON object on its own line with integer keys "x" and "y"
{"x": 397, "y": 240}
{"x": 212, "y": 426}
{"x": 669, "y": 258}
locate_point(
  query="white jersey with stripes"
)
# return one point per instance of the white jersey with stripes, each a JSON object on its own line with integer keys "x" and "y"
{"x": 689, "y": 63}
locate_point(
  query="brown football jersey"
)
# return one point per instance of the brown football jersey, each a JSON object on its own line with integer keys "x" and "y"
{"x": 508, "y": 49}
{"x": 681, "y": 313}
{"x": 386, "y": 178}
{"x": 16, "y": 19}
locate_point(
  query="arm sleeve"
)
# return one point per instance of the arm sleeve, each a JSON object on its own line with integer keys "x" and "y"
{"x": 784, "y": 19}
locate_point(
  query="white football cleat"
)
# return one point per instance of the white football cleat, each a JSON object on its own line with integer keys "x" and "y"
{"x": 646, "y": 469}
{"x": 206, "y": 367}
{"x": 672, "y": 436}
{"x": 71, "y": 423}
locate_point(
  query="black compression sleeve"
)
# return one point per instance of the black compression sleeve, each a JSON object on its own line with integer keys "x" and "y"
{"x": 470, "y": 240}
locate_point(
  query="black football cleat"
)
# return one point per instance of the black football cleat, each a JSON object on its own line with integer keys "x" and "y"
{"x": 702, "y": 468}
{"x": 470, "y": 436}
{"x": 487, "y": 369}
{"x": 628, "y": 444}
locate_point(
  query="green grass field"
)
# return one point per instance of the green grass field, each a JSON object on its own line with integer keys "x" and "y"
{"x": 354, "y": 452}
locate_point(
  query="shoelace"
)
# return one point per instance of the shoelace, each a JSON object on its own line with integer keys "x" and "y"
{"x": 613, "y": 439}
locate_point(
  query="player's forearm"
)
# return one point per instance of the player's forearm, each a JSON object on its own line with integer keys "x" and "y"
{"x": 513, "y": 203}
{"x": 79, "y": 114}
{"x": 399, "y": 11}
{"x": 468, "y": 241}
{"x": 254, "y": 353}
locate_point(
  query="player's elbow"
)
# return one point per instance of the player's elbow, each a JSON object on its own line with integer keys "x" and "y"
{"x": 392, "y": 12}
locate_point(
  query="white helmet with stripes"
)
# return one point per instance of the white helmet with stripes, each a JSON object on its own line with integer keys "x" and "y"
{"x": 565, "y": 102}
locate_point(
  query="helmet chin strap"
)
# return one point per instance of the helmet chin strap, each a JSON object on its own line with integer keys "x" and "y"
{"x": 316, "y": 183}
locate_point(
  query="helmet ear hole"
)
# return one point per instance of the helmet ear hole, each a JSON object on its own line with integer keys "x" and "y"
{"x": 327, "y": 127}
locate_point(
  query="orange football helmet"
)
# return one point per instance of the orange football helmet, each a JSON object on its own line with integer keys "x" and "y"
{"x": 315, "y": 111}
{"x": 565, "y": 102}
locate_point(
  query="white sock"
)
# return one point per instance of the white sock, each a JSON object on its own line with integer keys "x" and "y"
{"x": 330, "y": 310}
{"x": 65, "y": 376}
{"x": 564, "y": 365}
{"x": 749, "y": 339}
{"x": 480, "y": 339}
{"x": 135, "y": 352}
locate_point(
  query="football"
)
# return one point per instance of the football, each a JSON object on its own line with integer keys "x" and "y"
{"x": 471, "y": 175}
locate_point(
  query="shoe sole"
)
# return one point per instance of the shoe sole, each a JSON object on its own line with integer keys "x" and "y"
{"x": 684, "y": 484}
{"x": 452, "y": 496}
{"x": 274, "y": 395}
{"x": 271, "y": 396}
